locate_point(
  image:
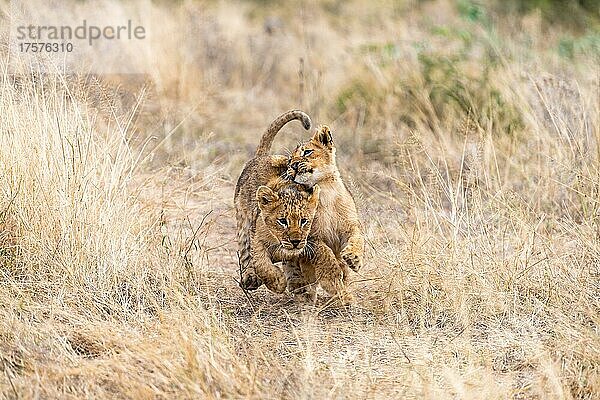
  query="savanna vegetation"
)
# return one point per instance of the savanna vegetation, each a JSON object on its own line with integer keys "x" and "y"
{"x": 468, "y": 132}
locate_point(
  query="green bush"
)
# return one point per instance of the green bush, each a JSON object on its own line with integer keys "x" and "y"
{"x": 575, "y": 14}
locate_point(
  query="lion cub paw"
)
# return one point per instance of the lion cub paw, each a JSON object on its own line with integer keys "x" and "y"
{"x": 308, "y": 296}
{"x": 276, "y": 282}
{"x": 250, "y": 281}
{"x": 351, "y": 259}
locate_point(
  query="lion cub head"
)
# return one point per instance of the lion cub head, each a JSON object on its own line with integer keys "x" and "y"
{"x": 288, "y": 214}
{"x": 314, "y": 161}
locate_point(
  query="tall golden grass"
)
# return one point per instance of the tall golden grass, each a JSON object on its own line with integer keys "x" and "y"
{"x": 468, "y": 134}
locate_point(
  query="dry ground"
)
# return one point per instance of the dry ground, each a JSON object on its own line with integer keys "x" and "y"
{"x": 469, "y": 134}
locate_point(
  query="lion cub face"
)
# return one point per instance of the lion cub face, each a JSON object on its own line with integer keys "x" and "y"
{"x": 314, "y": 161}
{"x": 288, "y": 214}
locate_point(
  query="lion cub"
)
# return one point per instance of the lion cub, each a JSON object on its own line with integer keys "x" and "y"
{"x": 281, "y": 231}
{"x": 261, "y": 170}
{"x": 336, "y": 221}
{"x": 281, "y": 234}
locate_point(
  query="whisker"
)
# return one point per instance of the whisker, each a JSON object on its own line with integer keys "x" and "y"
{"x": 310, "y": 251}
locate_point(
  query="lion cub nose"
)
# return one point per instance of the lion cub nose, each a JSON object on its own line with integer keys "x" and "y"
{"x": 295, "y": 243}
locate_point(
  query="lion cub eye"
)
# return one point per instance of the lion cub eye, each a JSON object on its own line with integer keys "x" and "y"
{"x": 283, "y": 222}
{"x": 307, "y": 152}
{"x": 303, "y": 222}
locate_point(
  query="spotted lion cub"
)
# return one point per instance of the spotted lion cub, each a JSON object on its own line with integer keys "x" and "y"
{"x": 261, "y": 175}
{"x": 281, "y": 232}
{"x": 274, "y": 218}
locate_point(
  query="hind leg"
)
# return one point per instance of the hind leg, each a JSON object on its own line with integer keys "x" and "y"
{"x": 249, "y": 278}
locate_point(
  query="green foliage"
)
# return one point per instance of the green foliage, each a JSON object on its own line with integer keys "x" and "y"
{"x": 446, "y": 86}
{"x": 589, "y": 44}
{"x": 453, "y": 91}
{"x": 473, "y": 12}
{"x": 575, "y": 14}
{"x": 359, "y": 92}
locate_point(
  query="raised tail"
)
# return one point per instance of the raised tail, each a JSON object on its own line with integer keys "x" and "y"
{"x": 267, "y": 139}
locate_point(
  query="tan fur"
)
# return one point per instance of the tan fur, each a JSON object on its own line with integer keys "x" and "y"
{"x": 260, "y": 170}
{"x": 281, "y": 232}
{"x": 336, "y": 222}
{"x": 334, "y": 243}
{"x": 267, "y": 139}
{"x": 317, "y": 266}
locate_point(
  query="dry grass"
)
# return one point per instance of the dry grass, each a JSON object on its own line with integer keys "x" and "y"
{"x": 474, "y": 154}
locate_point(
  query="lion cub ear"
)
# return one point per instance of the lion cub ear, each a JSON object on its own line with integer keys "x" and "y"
{"x": 265, "y": 196}
{"x": 323, "y": 136}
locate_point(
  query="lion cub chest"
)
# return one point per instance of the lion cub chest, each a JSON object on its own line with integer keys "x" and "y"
{"x": 327, "y": 219}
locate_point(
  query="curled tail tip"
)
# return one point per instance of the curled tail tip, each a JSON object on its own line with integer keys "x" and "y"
{"x": 267, "y": 138}
{"x": 302, "y": 116}
{"x": 306, "y": 122}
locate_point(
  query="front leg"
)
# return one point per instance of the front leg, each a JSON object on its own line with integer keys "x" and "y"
{"x": 327, "y": 270}
{"x": 300, "y": 283}
{"x": 268, "y": 273}
{"x": 352, "y": 253}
